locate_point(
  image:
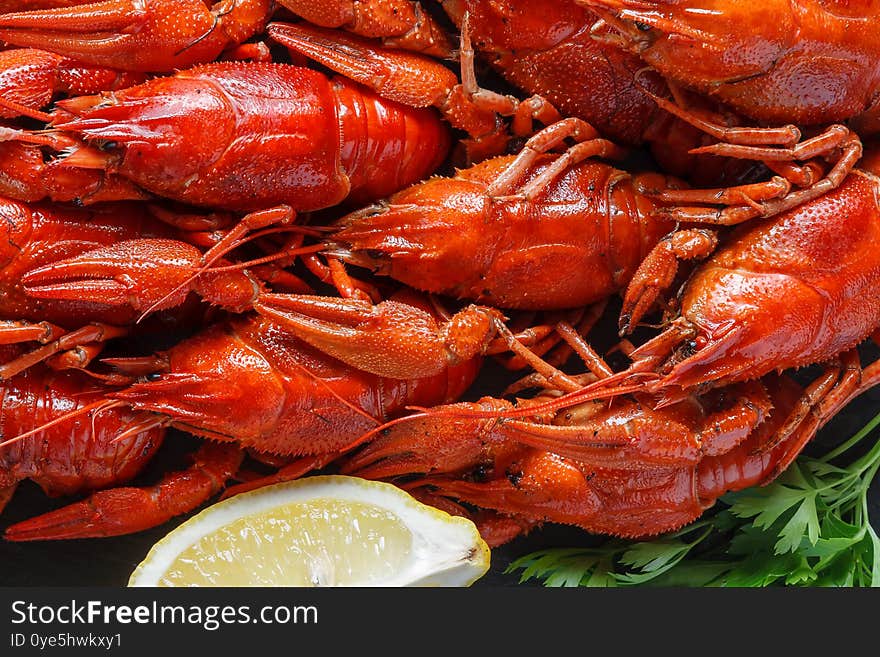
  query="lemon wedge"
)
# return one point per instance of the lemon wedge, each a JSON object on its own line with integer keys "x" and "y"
{"x": 318, "y": 531}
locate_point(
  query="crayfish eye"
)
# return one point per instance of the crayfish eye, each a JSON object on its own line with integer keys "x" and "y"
{"x": 480, "y": 473}
{"x": 687, "y": 349}
{"x": 642, "y": 27}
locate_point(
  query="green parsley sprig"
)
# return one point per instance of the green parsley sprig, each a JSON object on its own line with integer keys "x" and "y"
{"x": 810, "y": 527}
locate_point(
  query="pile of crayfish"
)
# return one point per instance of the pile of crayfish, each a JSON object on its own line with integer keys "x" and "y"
{"x": 297, "y": 231}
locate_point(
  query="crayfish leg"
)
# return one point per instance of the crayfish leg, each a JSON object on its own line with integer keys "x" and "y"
{"x": 90, "y": 337}
{"x": 118, "y": 511}
{"x": 15, "y": 332}
{"x": 750, "y": 405}
{"x": 589, "y": 144}
{"x": 779, "y": 148}
{"x": 786, "y": 136}
{"x": 298, "y": 468}
{"x": 657, "y": 271}
{"x": 821, "y": 401}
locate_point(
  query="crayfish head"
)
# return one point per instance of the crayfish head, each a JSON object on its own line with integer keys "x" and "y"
{"x": 431, "y": 236}
{"x": 454, "y": 439}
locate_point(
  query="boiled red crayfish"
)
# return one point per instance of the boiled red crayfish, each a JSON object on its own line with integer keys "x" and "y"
{"x": 273, "y": 140}
{"x": 789, "y": 291}
{"x": 629, "y": 470}
{"x": 67, "y": 451}
{"x": 501, "y": 231}
{"x": 301, "y": 402}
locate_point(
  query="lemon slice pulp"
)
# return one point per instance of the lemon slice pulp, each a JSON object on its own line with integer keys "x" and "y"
{"x": 318, "y": 531}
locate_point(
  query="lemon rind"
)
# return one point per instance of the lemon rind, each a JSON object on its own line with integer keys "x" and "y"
{"x": 438, "y": 556}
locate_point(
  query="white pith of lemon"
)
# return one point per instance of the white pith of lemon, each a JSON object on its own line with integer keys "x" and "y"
{"x": 319, "y": 531}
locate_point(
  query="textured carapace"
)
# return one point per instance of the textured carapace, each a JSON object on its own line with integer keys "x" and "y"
{"x": 74, "y": 455}
{"x": 786, "y": 292}
{"x": 280, "y": 134}
{"x": 553, "y": 48}
{"x": 579, "y": 240}
{"x": 60, "y": 432}
{"x": 810, "y": 62}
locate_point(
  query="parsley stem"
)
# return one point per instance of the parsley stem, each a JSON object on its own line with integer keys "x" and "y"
{"x": 864, "y": 431}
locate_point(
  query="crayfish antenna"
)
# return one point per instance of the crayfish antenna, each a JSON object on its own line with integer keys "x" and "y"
{"x": 95, "y": 407}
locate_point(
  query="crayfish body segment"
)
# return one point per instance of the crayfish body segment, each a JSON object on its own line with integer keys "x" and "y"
{"x": 66, "y": 450}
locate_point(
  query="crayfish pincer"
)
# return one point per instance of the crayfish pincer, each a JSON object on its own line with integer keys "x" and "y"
{"x": 60, "y": 431}
{"x": 154, "y": 36}
{"x": 810, "y": 62}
